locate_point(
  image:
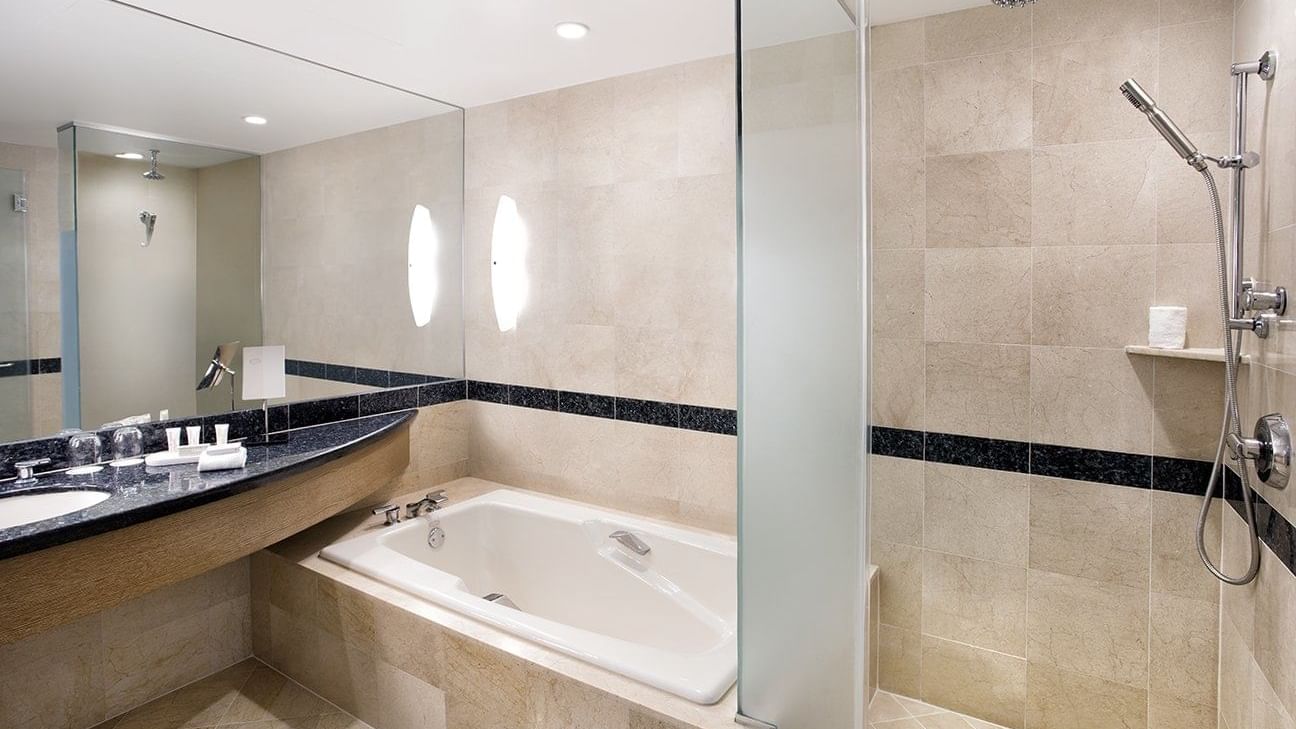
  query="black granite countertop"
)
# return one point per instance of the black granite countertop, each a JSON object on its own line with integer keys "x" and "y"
{"x": 141, "y": 493}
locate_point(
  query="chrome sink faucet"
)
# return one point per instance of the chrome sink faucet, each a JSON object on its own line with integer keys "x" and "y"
{"x": 430, "y": 503}
{"x": 27, "y": 471}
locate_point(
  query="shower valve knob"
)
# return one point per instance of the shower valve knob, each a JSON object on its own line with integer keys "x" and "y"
{"x": 1258, "y": 300}
{"x": 1273, "y": 464}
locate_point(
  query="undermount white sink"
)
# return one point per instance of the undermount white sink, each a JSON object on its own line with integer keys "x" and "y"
{"x": 27, "y": 508}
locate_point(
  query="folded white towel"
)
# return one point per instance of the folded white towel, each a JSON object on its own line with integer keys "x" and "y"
{"x": 222, "y": 462}
{"x": 1167, "y": 326}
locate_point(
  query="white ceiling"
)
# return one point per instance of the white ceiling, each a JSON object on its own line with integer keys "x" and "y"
{"x": 472, "y": 52}
{"x": 104, "y": 62}
{"x": 881, "y": 12}
{"x": 95, "y": 61}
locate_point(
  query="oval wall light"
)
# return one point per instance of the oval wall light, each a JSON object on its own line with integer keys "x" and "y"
{"x": 423, "y": 245}
{"x": 508, "y": 264}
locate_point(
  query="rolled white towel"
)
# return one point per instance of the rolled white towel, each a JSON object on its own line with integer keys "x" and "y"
{"x": 222, "y": 462}
{"x": 1167, "y": 326}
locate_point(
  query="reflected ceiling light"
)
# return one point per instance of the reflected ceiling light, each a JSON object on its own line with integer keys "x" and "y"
{"x": 129, "y": 155}
{"x": 256, "y": 120}
{"x": 423, "y": 245}
{"x": 508, "y": 264}
{"x": 571, "y": 30}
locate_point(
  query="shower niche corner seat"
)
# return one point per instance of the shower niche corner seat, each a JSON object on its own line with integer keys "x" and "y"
{"x": 666, "y": 618}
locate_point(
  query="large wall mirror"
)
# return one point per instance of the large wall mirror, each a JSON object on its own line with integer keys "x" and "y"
{"x": 165, "y": 190}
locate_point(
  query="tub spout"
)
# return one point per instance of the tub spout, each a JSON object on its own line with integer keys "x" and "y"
{"x": 630, "y": 542}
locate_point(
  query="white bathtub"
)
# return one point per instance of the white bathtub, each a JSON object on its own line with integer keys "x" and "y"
{"x": 667, "y": 619}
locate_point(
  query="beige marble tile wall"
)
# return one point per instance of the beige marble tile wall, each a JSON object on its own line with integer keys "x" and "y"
{"x": 77, "y": 675}
{"x": 41, "y": 166}
{"x": 1258, "y": 659}
{"x": 1025, "y": 218}
{"x": 627, "y": 190}
{"x": 678, "y": 475}
{"x": 335, "y": 229}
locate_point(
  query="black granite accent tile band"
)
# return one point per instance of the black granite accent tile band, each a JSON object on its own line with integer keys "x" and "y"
{"x": 437, "y": 393}
{"x": 488, "y": 392}
{"x": 720, "y": 421}
{"x": 373, "y": 378}
{"x": 1087, "y": 464}
{"x": 709, "y": 420}
{"x": 584, "y": 403}
{"x": 24, "y": 367}
{"x": 1278, "y": 534}
{"x": 966, "y": 450}
{"x": 1180, "y": 475}
{"x": 537, "y": 398}
{"x": 649, "y": 412}
{"x": 318, "y": 412}
{"x": 387, "y": 401}
{"x": 897, "y": 442}
{"x": 356, "y": 375}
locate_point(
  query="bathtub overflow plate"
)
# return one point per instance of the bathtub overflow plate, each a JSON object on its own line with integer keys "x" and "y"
{"x": 436, "y": 537}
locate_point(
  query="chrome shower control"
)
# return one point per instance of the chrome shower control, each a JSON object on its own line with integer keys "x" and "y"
{"x": 1262, "y": 324}
{"x": 1273, "y": 463}
{"x": 1259, "y": 300}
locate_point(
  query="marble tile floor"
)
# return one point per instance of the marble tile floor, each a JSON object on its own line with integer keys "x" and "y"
{"x": 893, "y": 711}
{"x": 247, "y": 695}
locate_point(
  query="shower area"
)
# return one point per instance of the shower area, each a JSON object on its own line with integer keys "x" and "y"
{"x": 1038, "y": 469}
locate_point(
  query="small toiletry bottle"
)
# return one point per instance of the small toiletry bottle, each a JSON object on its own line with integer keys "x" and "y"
{"x": 222, "y": 433}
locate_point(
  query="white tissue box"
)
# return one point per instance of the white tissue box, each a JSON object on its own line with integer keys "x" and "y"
{"x": 1167, "y": 326}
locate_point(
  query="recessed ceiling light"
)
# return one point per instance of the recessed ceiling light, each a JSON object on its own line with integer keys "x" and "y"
{"x": 571, "y": 30}
{"x": 129, "y": 155}
{"x": 257, "y": 120}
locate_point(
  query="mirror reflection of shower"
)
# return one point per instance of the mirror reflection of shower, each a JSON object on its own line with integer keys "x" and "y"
{"x": 150, "y": 219}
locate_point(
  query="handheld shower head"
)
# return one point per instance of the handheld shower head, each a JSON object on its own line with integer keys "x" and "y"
{"x": 1163, "y": 124}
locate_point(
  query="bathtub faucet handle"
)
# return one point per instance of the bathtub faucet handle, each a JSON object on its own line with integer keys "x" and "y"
{"x": 431, "y": 502}
{"x": 390, "y": 512}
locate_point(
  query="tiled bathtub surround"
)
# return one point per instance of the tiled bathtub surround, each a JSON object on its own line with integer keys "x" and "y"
{"x": 1025, "y": 218}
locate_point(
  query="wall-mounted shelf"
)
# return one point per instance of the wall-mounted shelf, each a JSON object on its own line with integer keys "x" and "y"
{"x": 1201, "y": 354}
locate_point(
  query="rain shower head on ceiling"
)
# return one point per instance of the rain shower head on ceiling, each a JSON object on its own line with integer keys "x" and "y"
{"x": 153, "y": 173}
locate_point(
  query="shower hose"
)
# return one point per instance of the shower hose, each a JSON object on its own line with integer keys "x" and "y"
{"x": 1232, "y": 422}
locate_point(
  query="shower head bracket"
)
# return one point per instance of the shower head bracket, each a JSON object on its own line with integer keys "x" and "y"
{"x": 1265, "y": 68}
